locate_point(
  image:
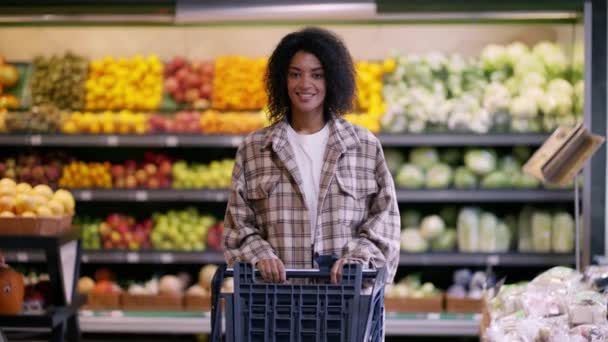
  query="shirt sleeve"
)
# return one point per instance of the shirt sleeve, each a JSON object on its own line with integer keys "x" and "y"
{"x": 378, "y": 239}
{"x": 242, "y": 239}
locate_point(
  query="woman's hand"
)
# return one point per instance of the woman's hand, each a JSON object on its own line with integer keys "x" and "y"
{"x": 272, "y": 270}
{"x": 336, "y": 270}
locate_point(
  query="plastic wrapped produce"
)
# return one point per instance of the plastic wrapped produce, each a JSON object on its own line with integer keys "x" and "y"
{"x": 524, "y": 242}
{"x": 468, "y": 229}
{"x": 487, "y": 232}
{"x": 503, "y": 237}
{"x": 562, "y": 233}
{"x": 541, "y": 231}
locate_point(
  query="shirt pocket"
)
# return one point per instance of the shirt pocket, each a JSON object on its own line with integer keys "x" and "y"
{"x": 263, "y": 198}
{"x": 355, "y": 199}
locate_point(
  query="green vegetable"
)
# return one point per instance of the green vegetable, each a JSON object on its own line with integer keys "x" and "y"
{"x": 562, "y": 233}
{"x": 541, "y": 231}
{"x": 468, "y": 229}
{"x": 412, "y": 241}
{"x": 464, "y": 179}
{"x": 487, "y": 232}
{"x": 480, "y": 162}
{"x": 424, "y": 157}
{"x": 553, "y": 58}
{"x": 449, "y": 214}
{"x": 496, "y": 180}
{"x": 431, "y": 227}
{"x": 525, "y": 181}
{"x": 410, "y": 176}
{"x": 445, "y": 242}
{"x": 438, "y": 176}
{"x": 524, "y": 243}
{"x": 410, "y": 218}
{"x": 494, "y": 57}
{"x": 509, "y": 164}
{"x": 450, "y": 156}
{"x": 515, "y": 51}
{"x": 503, "y": 237}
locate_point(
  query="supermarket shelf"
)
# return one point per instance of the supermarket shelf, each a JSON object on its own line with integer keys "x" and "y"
{"x": 207, "y": 140}
{"x": 156, "y": 323}
{"x": 157, "y": 195}
{"x": 483, "y": 195}
{"x": 403, "y": 195}
{"x": 152, "y": 257}
{"x": 461, "y": 139}
{"x": 483, "y": 259}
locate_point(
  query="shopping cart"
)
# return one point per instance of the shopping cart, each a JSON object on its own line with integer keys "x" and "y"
{"x": 320, "y": 312}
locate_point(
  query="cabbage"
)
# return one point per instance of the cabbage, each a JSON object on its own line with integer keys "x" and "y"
{"x": 515, "y": 52}
{"x": 468, "y": 229}
{"x": 525, "y": 181}
{"x": 553, "y": 58}
{"x": 523, "y": 107}
{"x": 562, "y": 234}
{"x": 494, "y": 57}
{"x": 487, "y": 232}
{"x": 450, "y": 156}
{"x": 496, "y": 98}
{"x": 394, "y": 160}
{"x": 503, "y": 237}
{"x": 560, "y": 86}
{"x": 410, "y": 176}
{"x": 496, "y": 180}
{"x": 532, "y": 80}
{"x": 509, "y": 164}
{"x": 410, "y": 218}
{"x": 431, "y": 227}
{"x": 541, "y": 231}
{"x": 524, "y": 243}
{"x": 481, "y": 162}
{"x": 445, "y": 242}
{"x": 449, "y": 214}
{"x": 412, "y": 241}
{"x": 464, "y": 179}
{"x": 522, "y": 153}
{"x": 528, "y": 64}
{"x": 424, "y": 157}
{"x": 438, "y": 176}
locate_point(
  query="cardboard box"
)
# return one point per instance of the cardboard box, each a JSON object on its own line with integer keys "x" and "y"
{"x": 34, "y": 226}
{"x": 413, "y": 305}
{"x": 462, "y": 305}
{"x": 152, "y": 302}
{"x": 197, "y": 303}
{"x": 103, "y": 301}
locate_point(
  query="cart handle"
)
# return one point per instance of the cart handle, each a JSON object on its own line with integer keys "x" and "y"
{"x": 306, "y": 273}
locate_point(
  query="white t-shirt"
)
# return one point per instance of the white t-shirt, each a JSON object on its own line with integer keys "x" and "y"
{"x": 309, "y": 150}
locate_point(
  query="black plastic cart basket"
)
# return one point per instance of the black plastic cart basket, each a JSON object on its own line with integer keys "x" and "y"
{"x": 320, "y": 312}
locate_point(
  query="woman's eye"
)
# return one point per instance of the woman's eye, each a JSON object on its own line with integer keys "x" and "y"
{"x": 317, "y": 76}
{"x": 294, "y": 74}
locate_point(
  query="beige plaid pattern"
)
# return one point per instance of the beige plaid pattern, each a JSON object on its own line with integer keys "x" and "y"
{"x": 358, "y": 216}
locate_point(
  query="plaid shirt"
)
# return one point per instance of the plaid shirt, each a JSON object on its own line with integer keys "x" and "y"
{"x": 357, "y": 218}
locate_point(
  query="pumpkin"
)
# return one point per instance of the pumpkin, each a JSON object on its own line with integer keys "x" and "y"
{"x": 12, "y": 289}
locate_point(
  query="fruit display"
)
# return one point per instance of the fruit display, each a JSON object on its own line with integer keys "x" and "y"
{"x": 182, "y": 122}
{"x": 124, "y": 83}
{"x": 183, "y": 230}
{"x": 3, "y": 113}
{"x": 34, "y": 168}
{"x": 214, "y": 122}
{"x": 508, "y": 88}
{"x": 78, "y": 174}
{"x": 189, "y": 82}
{"x": 24, "y": 200}
{"x": 89, "y": 232}
{"x": 107, "y": 122}
{"x": 239, "y": 83}
{"x": 124, "y": 232}
{"x": 468, "y": 168}
{"x": 13, "y": 289}
{"x": 467, "y": 284}
{"x": 215, "y": 175}
{"x": 40, "y": 119}
{"x": 369, "y": 121}
{"x": 9, "y": 76}
{"x": 411, "y": 287}
{"x": 153, "y": 173}
{"x": 59, "y": 80}
{"x": 369, "y": 99}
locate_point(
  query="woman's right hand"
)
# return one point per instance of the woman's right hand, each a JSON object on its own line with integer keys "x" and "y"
{"x": 272, "y": 270}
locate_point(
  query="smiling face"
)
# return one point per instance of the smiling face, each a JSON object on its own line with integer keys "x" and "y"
{"x": 306, "y": 84}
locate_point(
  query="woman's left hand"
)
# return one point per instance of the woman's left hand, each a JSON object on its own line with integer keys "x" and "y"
{"x": 336, "y": 270}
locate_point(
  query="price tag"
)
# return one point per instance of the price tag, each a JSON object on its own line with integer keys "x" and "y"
{"x": 84, "y": 258}
{"x": 493, "y": 260}
{"x": 236, "y": 141}
{"x": 22, "y": 257}
{"x": 132, "y": 258}
{"x": 36, "y": 140}
{"x": 141, "y": 196}
{"x": 112, "y": 140}
{"x": 171, "y": 141}
{"x": 433, "y": 316}
{"x": 86, "y": 195}
{"x": 220, "y": 196}
{"x": 166, "y": 258}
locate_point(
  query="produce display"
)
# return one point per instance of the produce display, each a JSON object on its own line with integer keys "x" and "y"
{"x": 508, "y": 88}
{"x": 9, "y": 76}
{"x": 107, "y": 122}
{"x": 214, "y": 122}
{"x": 13, "y": 289}
{"x": 40, "y": 119}
{"x": 153, "y": 173}
{"x": 26, "y": 201}
{"x": 34, "y": 168}
{"x": 59, "y": 80}
{"x": 468, "y": 168}
{"x": 239, "y": 83}
{"x": 189, "y": 82}
{"x": 467, "y": 284}
{"x": 471, "y": 229}
{"x": 124, "y": 83}
{"x": 560, "y": 304}
{"x": 184, "y": 230}
{"x": 181, "y": 122}
{"x": 78, "y": 174}
{"x": 411, "y": 286}
{"x": 215, "y": 175}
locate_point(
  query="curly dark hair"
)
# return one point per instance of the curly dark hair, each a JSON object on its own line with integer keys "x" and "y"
{"x": 337, "y": 66}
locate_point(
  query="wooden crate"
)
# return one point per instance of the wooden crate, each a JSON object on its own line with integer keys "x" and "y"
{"x": 412, "y": 305}
{"x": 152, "y": 302}
{"x": 197, "y": 303}
{"x": 34, "y": 226}
{"x": 462, "y": 305}
{"x": 103, "y": 301}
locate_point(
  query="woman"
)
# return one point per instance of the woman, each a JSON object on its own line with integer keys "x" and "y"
{"x": 311, "y": 183}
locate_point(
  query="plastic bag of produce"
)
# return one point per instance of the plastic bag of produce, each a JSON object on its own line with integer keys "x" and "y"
{"x": 487, "y": 232}
{"x": 562, "y": 234}
{"x": 468, "y": 229}
{"x": 587, "y": 307}
{"x": 503, "y": 237}
{"x": 524, "y": 243}
{"x": 445, "y": 242}
{"x": 541, "y": 231}
{"x": 412, "y": 241}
